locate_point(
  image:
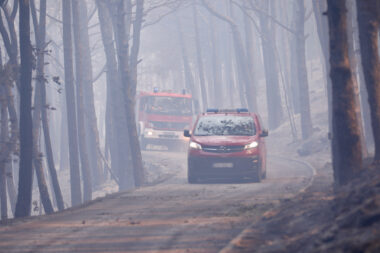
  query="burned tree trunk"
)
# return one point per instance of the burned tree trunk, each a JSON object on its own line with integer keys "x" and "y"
{"x": 274, "y": 104}
{"x": 3, "y": 138}
{"x": 346, "y": 146}
{"x": 24, "y": 198}
{"x": 76, "y": 192}
{"x": 322, "y": 29}
{"x": 189, "y": 79}
{"x": 306, "y": 124}
{"x": 368, "y": 20}
{"x": 201, "y": 73}
{"x": 79, "y": 66}
{"x": 354, "y": 66}
{"x": 244, "y": 73}
{"x": 88, "y": 95}
{"x": 41, "y": 106}
{"x": 138, "y": 168}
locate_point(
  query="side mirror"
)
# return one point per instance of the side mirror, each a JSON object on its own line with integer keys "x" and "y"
{"x": 264, "y": 133}
{"x": 186, "y": 133}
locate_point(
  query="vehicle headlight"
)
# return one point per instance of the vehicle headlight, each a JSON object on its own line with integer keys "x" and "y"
{"x": 251, "y": 145}
{"x": 194, "y": 145}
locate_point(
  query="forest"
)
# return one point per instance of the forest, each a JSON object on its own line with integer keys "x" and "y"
{"x": 71, "y": 72}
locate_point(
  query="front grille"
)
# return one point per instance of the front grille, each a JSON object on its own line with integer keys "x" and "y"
{"x": 222, "y": 149}
{"x": 163, "y": 125}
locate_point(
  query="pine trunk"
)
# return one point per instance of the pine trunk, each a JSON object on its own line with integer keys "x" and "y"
{"x": 346, "y": 146}
{"x": 76, "y": 192}
{"x": 24, "y": 198}
{"x": 79, "y": 67}
{"x": 368, "y": 20}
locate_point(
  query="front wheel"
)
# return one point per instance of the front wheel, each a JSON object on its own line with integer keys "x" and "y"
{"x": 191, "y": 179}
{"x": 257, "y": 176}
{"x": 143, "y": 143}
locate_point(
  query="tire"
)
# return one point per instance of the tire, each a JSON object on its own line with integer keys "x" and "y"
{"x": 257, "y": 174}
{"x": 191, "y": 179}
{"x": 264, "y": 169}
{"x": 143, "y": 143}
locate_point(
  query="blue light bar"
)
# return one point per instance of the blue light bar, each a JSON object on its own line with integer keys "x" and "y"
{"x": 212, "y": 110}
{"x": 239, "y": 110}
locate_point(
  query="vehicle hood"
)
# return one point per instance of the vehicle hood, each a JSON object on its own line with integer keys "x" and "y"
{"x": 224, "y": 140}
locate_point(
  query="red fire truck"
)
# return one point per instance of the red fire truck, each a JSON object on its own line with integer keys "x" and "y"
{"x": 162, "y": 117}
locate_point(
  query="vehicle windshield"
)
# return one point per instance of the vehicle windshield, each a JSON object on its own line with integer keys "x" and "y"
{"x": 169, "y": 105}
{"x": 225, "y": 125}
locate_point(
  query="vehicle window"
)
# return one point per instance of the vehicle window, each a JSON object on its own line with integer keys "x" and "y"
{"x": 225, "y": 125}
{"x": 169, "y": 105}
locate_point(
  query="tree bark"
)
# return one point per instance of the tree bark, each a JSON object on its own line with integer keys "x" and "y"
{"x": 24, "y": 198}
{"x": 79, "y": 66}
{"x": 368, "y": 20}
{"x": 40, "y": 39}
{"x": 354, "y": 66}
{"x": 202, "y": 83}
{"x": 76, "y": 192}
{"x": 88, "y": 95}
{"x": 3, "y": 138}
{"x": 306, "y": 124}
{"x": 274, "y": 104}
{"x": 322, "y": 29}
{"x": 346, "y": 144}
{"x": 138, "y": 168}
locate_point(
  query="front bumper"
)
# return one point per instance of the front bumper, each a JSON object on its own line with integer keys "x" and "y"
{"x": 223, "y": 167}
{"x": 157, "y": 135}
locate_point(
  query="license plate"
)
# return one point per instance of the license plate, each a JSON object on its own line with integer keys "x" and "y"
{"x": 223, "y": 165}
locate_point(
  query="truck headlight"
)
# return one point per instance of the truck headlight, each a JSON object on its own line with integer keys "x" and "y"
{"x": 194, "y": 145}
{"x": 251, "y": 145}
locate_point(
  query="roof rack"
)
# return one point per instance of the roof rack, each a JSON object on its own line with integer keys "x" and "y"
{"x": 239, "y": 110}
{"x": 215, "y": 110}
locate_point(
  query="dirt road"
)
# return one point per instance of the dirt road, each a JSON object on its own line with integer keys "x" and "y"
{"x": 172, "y": 216}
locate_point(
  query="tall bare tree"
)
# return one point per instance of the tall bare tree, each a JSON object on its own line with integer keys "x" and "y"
{"x": 306, "y": 123}
{"x": 368, "y": 20}
{"x": 76, "y": 191}
{"x": 24, "y": 198}
{"x": 346, "y": 146}
{"x": 79, "y": 67}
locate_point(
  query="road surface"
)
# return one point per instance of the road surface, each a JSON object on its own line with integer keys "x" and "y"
{"x": 172, "y": 216}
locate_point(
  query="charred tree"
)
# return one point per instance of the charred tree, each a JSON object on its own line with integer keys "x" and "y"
{"x": 92, "y": 133}
{"x": 306, "y": 124}
{"x": 122, "y": 26}
{"x": 216, "y": 66}
{"x": 3, "y": 138}
{"x": 245, "y": 76}
{"x": 138, "y": 168}
{"x": 319, "y": 7}
{"x": 368, "y": 20}
{"x": 202, "y": 82}
{"x": 24, "y": 198}
{"x": 346, "y": 146}
{"x": 41, "y": 108}
{"x": 76, "y": 192}
{"x": 274, "y": 104}
{"x": 189, "y": 78}
{"x": 79, "y": 67}
{"x": 354, "y": 66}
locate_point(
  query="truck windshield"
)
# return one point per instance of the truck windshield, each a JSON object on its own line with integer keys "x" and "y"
{"x": 225, "y": 125}
{"x": 169, "y": 105}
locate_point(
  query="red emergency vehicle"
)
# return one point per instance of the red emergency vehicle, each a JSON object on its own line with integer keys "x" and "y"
{"x": 162, "y": 117}
{"x": 227, "y": 144}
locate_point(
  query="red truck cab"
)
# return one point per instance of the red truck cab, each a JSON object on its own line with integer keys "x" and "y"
{"x": 227, "y": 144}
{"x": 162, "y": 117}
